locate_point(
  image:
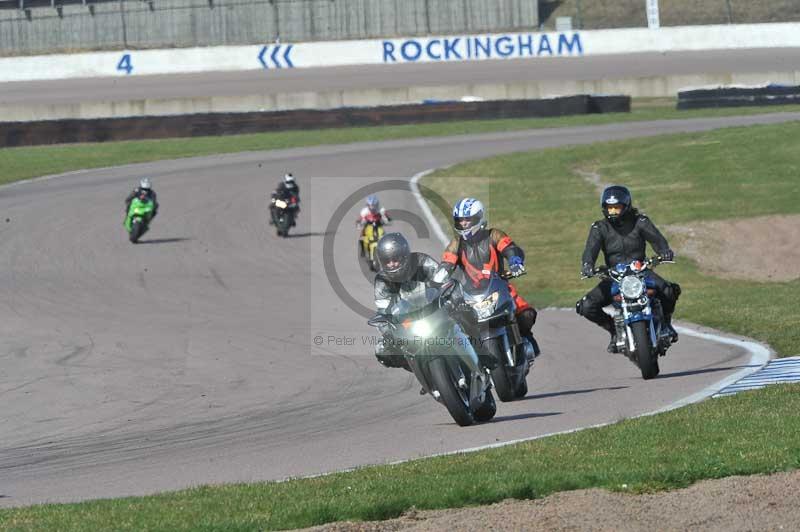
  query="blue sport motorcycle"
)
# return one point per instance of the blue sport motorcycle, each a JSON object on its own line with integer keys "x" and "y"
{"x": 638, "y": 317}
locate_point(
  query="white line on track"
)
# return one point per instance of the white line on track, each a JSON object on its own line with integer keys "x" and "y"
{"x": 760, "y": 354}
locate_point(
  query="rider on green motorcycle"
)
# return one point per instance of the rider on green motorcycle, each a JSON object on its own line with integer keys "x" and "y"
{"x": 145, "y": 190}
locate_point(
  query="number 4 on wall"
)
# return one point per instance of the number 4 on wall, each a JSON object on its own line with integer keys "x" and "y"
{"x": 125, "y": 64}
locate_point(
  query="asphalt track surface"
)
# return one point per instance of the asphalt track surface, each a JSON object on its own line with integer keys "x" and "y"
{"x": 241, "y": 83}
{"x": 190, "y": 358}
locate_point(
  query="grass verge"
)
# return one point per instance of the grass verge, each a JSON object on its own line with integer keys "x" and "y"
{"x": 546, "y": 203}
{"x": 28, "y": 162}
{"x": 727, "y": 173}
{"x": 671, "y": 450}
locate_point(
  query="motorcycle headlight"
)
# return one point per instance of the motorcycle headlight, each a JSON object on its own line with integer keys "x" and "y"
{"x": 421, "y": 328}
{"x": 631, "y": 287}
{"x": 280, "y": 204}
{"x": 486, "y": 307}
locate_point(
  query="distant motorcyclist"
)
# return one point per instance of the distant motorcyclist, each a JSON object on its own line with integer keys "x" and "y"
{"x": 144, "y": 192}
{"x": 622, "y": 236}
{"x": 373, "y": 211}
{"x": 401, "y": 270}
{"x": 286, "y": 190}
{"x": 479, "y": 250}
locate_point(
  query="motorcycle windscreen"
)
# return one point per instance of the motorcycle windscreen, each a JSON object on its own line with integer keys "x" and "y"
{"x": 484, "y": 288}
{"x": 414, "y": 300}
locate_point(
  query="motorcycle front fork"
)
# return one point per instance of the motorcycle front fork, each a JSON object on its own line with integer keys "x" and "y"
{"x": 621, "y": 331}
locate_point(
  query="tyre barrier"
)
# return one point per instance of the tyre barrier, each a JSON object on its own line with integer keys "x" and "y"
{"x": 739, "y": 97}
{"x": 215, "y": 124}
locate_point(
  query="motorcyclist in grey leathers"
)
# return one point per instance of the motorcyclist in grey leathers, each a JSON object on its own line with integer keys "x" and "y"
{"x": 622, "y": 236}
{"x": 400, "y": 269}
{"x": 403, "y": 272}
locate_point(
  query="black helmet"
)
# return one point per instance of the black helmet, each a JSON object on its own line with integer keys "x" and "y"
{"x": 394, "y": 256}
{"x": 615, "y": 196}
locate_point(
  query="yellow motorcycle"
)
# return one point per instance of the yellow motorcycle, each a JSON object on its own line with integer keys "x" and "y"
{"x": 372, "y": 232}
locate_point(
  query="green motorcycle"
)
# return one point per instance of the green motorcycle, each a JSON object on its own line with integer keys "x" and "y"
{"x": 137, "y": 222}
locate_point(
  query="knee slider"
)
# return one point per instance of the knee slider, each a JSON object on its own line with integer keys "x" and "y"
{"x": 580, "y": 307}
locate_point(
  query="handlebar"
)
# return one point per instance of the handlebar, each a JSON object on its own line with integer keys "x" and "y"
{"x": 651, "y": 263}
{"x": 506, "y": 275}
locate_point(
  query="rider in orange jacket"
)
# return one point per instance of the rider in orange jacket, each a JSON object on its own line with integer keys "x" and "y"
{"x": 479, "y": 250}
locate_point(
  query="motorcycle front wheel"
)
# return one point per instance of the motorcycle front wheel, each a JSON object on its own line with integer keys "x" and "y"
{"x": 455, "y": 399}
{"x": 282, "y": 224}
{"x": 508, "y": 383}
{"x": 646, "y": 356}
{"x": 136, "y": 230}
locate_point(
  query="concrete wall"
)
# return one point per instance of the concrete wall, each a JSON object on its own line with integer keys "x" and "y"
{"x": 459, "y": 47}
{"x": 136, "y": 24}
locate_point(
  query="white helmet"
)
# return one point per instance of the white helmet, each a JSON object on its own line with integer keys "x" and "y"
{"x": 144, "y": 184}
{"x": 288, "y": 179}
{"x": 468, "y": 217}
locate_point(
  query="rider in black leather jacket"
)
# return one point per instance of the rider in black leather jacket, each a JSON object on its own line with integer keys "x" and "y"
{"x": 622, "y": 236}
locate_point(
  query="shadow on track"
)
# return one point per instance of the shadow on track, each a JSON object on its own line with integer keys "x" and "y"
{"x": 308, "y": 234}
{"x": 570, "y": 392}
{"x": 500, "y": 419}
{"x": 699, "y": 371}
{"x": 164, "y": 240}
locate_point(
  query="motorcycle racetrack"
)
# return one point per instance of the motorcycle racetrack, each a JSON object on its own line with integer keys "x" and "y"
{"x": 213, "y": 351}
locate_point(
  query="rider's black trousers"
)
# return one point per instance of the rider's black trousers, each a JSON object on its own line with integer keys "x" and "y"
{"x": 591, "y": 305}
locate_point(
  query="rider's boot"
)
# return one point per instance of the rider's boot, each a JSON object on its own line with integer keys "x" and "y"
{"x": 670, "y": 329}
{"x": 612, "y": 345}
{"x": 533, "y": 353}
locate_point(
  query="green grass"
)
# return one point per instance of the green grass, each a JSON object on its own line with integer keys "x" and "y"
{"x": 543, "y": 201}
{"x": 671, "y": 450}
{"x": 547, "y": 206}
{"x": 27, "y": 162}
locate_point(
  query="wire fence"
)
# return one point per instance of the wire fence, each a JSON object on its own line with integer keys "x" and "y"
{"x": 51, "y": 25}
{"x": 48, "y": 26}
{"x": 606, "y": 14}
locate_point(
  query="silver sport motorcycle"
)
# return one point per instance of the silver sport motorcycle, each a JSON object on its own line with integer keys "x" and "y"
{"x": 419, "y": 324}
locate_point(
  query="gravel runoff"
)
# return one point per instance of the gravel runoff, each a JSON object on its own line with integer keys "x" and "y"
{"x": 758, "y": 502}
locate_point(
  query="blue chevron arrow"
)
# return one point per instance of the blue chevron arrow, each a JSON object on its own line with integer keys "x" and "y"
{"x": 275, "y": 56}
{"x": 286, "y": 56}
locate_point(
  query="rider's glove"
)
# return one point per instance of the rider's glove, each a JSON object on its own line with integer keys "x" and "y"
{"x": 587, "y": 269}
{"x": 667, "y": 255}
{"x": 516, "y": 266}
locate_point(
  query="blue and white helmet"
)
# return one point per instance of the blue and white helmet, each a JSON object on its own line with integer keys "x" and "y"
{"x": 468, "y": 217}
{"x": 373, "y": 204}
